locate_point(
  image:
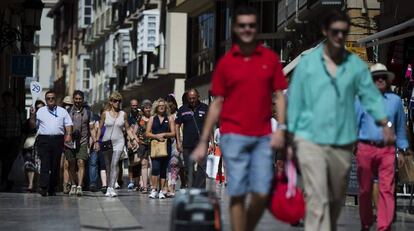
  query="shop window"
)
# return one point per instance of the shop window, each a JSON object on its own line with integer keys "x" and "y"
{"x": 202, "y": 47}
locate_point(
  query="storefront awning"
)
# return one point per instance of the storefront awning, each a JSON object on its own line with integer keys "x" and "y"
{"x": 381, "y": 37}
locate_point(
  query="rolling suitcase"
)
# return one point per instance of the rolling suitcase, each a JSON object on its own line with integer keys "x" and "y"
{"x": 196, "y": 210}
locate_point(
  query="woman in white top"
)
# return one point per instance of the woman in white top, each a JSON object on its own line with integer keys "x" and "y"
{"x": 115, "y": 122}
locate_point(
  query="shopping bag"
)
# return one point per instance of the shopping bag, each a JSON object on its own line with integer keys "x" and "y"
{"x": 212, "y": 165}
{"x": 287, "y": 202}
{"x": 17, "y": 171}
{"x": 406, "y": 172}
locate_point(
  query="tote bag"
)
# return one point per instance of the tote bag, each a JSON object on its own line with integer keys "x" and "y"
{"x": 158, "y": 149}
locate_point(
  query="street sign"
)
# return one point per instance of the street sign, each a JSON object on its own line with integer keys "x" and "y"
{"x": 35, "y": 89}
{"x": 360, "y": 51}
{"x": 22, "y": 65}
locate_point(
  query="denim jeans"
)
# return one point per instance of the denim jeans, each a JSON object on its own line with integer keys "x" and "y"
{"x": 93, "y": 168}
{"x": 249, "y": 163}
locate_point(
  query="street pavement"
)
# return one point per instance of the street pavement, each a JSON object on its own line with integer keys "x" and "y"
{"x": 134, "y": 211}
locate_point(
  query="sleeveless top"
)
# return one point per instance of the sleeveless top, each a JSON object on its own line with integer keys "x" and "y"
{"x": 160, "y": 126}
{"x": 114, "y": 129}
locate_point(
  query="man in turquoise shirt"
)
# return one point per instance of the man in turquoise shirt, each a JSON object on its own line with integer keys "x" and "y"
{"x": 321, "y": 115}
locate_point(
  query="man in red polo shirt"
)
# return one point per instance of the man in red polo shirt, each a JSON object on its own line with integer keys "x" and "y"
{"x": 248, "y": 73}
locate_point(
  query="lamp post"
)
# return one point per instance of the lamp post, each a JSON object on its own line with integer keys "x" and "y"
{"x": 33, "y": 13}
{"x": 30, "y": 20}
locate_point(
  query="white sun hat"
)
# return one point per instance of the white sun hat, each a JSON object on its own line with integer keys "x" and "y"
{"x": 381, "y": 69}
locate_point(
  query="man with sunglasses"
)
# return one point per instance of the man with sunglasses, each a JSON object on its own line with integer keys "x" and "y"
{"x": 321, "y": 115}
{"x": 54, "y": 128}
{"x": 82, "y": 132}
{"x": 375, "y": 158}
{"x": 247, "y": 73}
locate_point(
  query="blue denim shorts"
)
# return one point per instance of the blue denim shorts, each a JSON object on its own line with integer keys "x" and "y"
{"x": 249, "y": 163}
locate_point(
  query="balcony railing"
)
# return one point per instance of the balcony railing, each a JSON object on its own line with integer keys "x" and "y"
{"x": 292, "y": 9}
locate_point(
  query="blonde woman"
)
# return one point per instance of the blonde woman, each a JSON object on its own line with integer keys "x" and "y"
{"x": 160, "y": 127}
{"x": 115, "y": 122}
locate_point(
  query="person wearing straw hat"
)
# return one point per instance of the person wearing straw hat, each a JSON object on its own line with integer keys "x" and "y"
{"x": 374, "y": 157}
{"x": 67, "y": 102}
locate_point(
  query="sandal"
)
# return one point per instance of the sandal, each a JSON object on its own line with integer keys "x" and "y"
{"x": 145, "y": 190}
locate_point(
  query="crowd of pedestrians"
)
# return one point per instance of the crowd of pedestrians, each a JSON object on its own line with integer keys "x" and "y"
{"x": 335, "y": 106}
{"x": 85, "y": 150}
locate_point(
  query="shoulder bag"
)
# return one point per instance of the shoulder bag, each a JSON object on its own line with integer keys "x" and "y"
{"x": 107, "y": 145}
{"x": 159, "y": 148}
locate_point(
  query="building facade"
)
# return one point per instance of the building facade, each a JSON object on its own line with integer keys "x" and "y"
{"x": 99, "y": 42}
{"x": 209, "y": 35}
{"x": 43, "y": 68}
{"x": 71, "y": 18}
{"x": 19, "y": 21}
{"x": 394, "y": 41}
{"x": 140, "y": 51}
{"x": 298, "y": 26}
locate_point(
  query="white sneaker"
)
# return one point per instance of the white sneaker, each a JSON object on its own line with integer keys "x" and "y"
{"x": 153, "y": 194}
{"x": 117, "y": 185}
{"x": 108, "y": 192}
{"x": 72, "y": 190}
{"x": 113, "y": 193}
{"x": 161, "y": 195}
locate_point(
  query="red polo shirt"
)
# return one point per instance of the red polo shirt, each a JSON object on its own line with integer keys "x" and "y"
{"x": 247, "y": 84}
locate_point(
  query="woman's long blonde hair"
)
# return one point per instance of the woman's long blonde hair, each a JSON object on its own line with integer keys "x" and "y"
{"x": 156, "y": 104}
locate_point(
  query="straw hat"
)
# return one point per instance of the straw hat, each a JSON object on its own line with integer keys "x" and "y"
{"x": 68, "y": 100}
{"x": 381, "y": 69}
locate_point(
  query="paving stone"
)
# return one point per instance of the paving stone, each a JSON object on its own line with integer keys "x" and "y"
{"x": 135, "y": 211}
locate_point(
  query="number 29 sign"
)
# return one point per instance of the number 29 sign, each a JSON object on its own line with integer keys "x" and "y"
{"x": 35, "y": 89}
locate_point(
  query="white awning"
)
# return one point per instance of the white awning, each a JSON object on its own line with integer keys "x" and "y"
{"x": 288, "y": 68}
{"x": 378, "y": 38}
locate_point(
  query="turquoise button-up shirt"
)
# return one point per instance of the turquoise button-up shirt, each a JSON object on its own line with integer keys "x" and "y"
{"x": 321, "y": 107}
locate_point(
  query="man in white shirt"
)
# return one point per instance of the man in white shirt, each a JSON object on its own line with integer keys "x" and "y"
{"x": 54, "y": 128}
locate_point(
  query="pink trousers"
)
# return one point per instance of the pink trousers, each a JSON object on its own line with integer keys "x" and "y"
{"x": 374, "y": 161}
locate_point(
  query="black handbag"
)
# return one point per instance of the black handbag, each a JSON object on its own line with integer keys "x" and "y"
{"x": 107, "y": 145}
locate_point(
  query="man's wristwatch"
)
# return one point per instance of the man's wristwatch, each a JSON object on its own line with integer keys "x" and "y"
{"x": 389, "y": 124}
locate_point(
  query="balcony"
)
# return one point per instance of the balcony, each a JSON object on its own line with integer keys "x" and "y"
{"x": 99, "y": 26}
{"x": 192, "y": 7}
{"x": 293, "y": 12}
{"x": 89, "y": 38}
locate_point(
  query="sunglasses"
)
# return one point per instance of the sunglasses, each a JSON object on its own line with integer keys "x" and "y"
{"x": 380, "y": 77}
{"x": 335, "y": 32}
{"x": 116, "y": 100}
{"x": 50, "y": 98}
{"x": 246, "y": 25}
